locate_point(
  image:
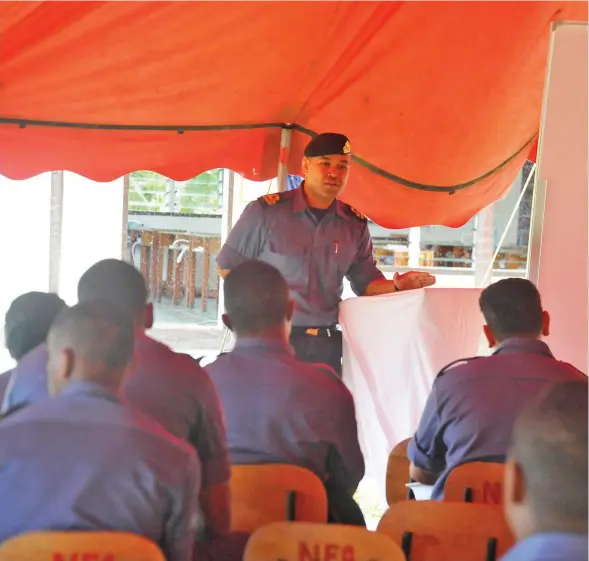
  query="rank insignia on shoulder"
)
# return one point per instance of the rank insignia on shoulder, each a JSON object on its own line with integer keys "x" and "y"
{"x": 356, "y": 213}
{"x": 270, "y": 199}
{"x": 455, "y": 363}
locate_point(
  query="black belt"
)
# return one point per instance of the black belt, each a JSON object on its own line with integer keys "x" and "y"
{"x": 329, "y": 331}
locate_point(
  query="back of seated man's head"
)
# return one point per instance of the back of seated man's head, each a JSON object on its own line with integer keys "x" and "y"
{"x": 28, "y": 320}
{"x": 513, "y": 308}
{"x": 546, "y": 473}
{"x": 90, "y": 342}
{"x": 118, "y": 282}
{"x": 257, "y": 301}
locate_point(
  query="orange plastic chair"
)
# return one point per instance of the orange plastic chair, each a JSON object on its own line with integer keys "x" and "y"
{"x": 261, "y": 494}
{"x": 396, "y": 478}
{"x": 302, "y": 541}
{"x": 401, "y": 448}
{"x": 79, "y": 546}
{"x": 444, "y": 531}
{"x": 476, "y": 482}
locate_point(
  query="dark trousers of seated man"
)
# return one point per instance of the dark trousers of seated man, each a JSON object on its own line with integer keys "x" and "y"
{"x": 341, "y": 506}
{"x": 224, "y": 548}
{"x": 322, "y": 344}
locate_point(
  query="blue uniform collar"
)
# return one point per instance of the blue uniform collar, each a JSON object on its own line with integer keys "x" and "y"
{"x": 299, "y": 203}
{"x": 259, "y": 343}
{"x": 88, "y": 389}
{"x": 524, "y": 345}
{"x": 549, "y": 547}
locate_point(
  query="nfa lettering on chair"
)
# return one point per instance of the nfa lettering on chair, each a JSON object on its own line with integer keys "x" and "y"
{"x": 326, "y": 552}
{"x": 83, "y": 556}
{"x": 492, "y": 492}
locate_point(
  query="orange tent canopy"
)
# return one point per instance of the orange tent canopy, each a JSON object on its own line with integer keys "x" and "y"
{"x": 441, "y": 100}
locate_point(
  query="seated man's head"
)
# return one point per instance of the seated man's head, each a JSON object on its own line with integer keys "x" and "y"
{"x": 257, "y": 301}
{"x": 513, "y": 308}
{"x": 118, "y": 282}
{"x": 90, "y": 342}
{"x": 546, "y": 472}
{"x": 28, "y": 320}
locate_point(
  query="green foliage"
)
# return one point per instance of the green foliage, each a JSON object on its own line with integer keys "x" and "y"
{"x": 151, "y": 192}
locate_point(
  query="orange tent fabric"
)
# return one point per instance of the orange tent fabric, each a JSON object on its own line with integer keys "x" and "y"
{"x": 436, "y": 97}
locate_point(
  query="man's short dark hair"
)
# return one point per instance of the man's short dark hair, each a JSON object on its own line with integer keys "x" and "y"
{"x": 512, "y": 307}
{"x": 100, "y": 332}
{"x": 28, "y": 320}
{"x": 550, "y": 445}
{"x": 115, "y": 281}
{"x": 256, "y": 297}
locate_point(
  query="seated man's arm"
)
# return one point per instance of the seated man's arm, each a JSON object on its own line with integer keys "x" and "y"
{"x": 185, "y": 523}
{"x": 426, "y": 450}
{"x": 210, "y": 440}
{"x": 245, "y": 241}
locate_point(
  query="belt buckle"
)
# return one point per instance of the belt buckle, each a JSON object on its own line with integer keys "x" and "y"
{"x": 313, "y": 332}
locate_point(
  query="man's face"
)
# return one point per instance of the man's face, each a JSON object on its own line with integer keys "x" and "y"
{"x": 326, "y": 176}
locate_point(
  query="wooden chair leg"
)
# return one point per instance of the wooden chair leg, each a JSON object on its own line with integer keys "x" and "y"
{"x": 191, "y": 279}
{"x": 178, "y": 277}
{"x": 206, "y": 269}
{"x": 170, "y": 273}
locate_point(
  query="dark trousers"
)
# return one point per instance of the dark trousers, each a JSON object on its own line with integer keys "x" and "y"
{"x": 318, "y": 348}
{"x": 342, "y": 508}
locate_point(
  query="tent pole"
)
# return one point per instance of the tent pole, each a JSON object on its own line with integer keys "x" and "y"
{"x": 55, "y": 230}
{"x": 282, "y": 176}
{"x": 511, "y": 217}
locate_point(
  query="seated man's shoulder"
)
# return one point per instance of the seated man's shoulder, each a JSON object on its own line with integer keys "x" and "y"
{"x": 461, "y": 366}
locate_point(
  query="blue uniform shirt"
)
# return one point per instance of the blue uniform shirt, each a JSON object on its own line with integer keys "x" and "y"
{"x": 471, "y": 410}
{"x": 313, "y": 256}
{"x": 170, "y": 387}
{"x": 82, "y": 461}
{"x": 550, "y": 547}
{"x": 282, "y": 410}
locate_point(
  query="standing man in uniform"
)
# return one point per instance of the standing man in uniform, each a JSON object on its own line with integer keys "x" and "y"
{"x": 315, "y": 241}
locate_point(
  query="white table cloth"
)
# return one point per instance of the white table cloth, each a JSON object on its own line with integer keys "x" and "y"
{"x": 394, "y": 345}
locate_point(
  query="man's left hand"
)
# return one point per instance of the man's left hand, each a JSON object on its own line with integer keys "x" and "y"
{"x": 413, "y": 280}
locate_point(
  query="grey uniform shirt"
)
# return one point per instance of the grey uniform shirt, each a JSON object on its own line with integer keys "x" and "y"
{"x": 313, "y": 255}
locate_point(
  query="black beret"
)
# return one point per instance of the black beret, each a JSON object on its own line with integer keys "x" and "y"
{"x": 328, "y": 144}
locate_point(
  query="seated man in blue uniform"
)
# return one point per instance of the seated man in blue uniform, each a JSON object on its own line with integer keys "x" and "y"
{"x": 280, "y": 409}
{"x": 170, "y": 387}
{"x": 315, "y": 240}
{"x": 546, "y": 478}
{"x": 84, "y": 461}
{"x": 474, "y": 402}
{"x": 26, "y": 325}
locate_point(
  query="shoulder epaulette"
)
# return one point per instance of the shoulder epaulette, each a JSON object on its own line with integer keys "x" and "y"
{"x": 456, "y": 363}
{"x": 354, "y": 212}
{"x": 272, "y": 198}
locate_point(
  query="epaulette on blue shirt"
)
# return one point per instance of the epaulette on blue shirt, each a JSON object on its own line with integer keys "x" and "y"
{"x": 354, "y": 212}
{"x": 272, "y": 198}
{"x": 456, "y": 363}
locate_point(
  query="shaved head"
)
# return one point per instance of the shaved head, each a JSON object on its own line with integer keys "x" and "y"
{"x": 549, "y": 455}
{"x": 92, "y": 341}
{"x": 256, "y": 298}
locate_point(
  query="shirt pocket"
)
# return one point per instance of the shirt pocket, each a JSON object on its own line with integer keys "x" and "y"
{"x": 291, "y": 259}
{"x": 338, "y": 257}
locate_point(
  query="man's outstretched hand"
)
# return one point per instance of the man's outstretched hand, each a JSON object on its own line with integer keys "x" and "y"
{"x": 413, "y": 279}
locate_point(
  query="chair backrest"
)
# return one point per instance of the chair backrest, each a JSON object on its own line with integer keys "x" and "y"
{"x": 79, "y": 546}
{"x": 397, "y": 477}
{"x": 310, "y": 542}
{"x": 401, "y": 448}
{"x": 261, "y": 494}
{"x": 476, "y": 482}
{"x": 444, "y": 531}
